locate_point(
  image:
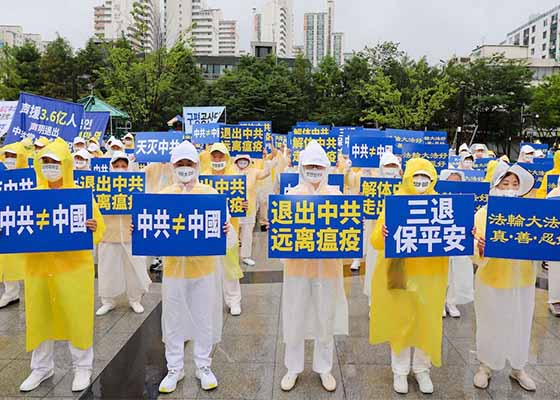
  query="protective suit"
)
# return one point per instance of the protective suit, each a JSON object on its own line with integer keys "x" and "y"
{"x": 118, "y": 270}
{"x": 464, "y": 148}
{"x": 554, "y": 267}
{"x": 467, "y": 161}
{"x": 59, "y": 287}
{"x": 526, "y": 154}
{"x": 490, "y": 170}
{"x": 314, "y": 304}
{"x": 40, "y": 143}
{"x": 266, "y": 186}
{"x": 409, "y": 315}
{"x": 542, "y": 191}
{"x": 479, "y": 150}
{"x": 504, "y": 296}
{"x": 129, "y": 141}
{"x": 12, "y": 265}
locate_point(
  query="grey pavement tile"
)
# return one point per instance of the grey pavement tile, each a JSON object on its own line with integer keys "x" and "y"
{"x": 250, "y": 381}
{"x": 502, "y": 387}
{"x": 358, "y": 326}
{"x": 12, "y": 346}
{"x": 466, "y": 348}
{"x": 246, "y": 349}
{"x": 463, "y": 327}
{"x": 129, "y": 323}
{"x": 544, "y": 351}
{"x": 551, "y": 374}
{"x": 451, "y": 382}
{"x": 358, "y": 350}
{"x": 550, "y": 323}
{"x": 251, "y": 324}
{"x": 105, "y": 322}
{"x": 358, "y": 307}
{"x": 260, "y": 304}
{"x": 110, "y": 345}
{"x": 15, "y": 373}
{"x": 308, "y": 385}
{"x": 262, "y": 289}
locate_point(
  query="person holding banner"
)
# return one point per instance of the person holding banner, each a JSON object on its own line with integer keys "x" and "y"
{"x": 467, "y": 162}
{"x": 128, "y": 141}
{"x": 14, "y": 156}
{"x": 408, "y": 295}
{"x": 118, "y": 270}
{"x": 554, "y": 267}
{"x": 79, "y": 143}
{"x": 479, "y": 150}
{"x": 543, "y": 189}
{"x": 464, "y": 149}
{"x": 192, "y": 289}
{"x": 314, "y": 304}
{"x": 59, "y": 287}
{"x": 40, "y": 144}
{"x": 504, "y": 298}
{"x": 81, "y": 160}
{"x": 526, "y": 154}
{"x": 220, "y": 164}
{"x": 94, "y": 150}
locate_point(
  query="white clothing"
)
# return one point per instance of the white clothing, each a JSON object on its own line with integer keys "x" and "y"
{"x": 553, "y": 282}
{"x": 460, "y": 289}
{"x": 232, "y": 292}
{"x": 42, "y": 358}
{"x": 503, "y": 325}
{"x": 371, "y": 259}
{"x": 246, "y": 228}
{"x": 119, "y": 272}
{"x": 11, "y": 289}
{"x": 400, "y": 363}
{"x": 323, "y": 352}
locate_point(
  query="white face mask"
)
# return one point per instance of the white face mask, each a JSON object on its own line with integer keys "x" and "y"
{"x": 391, "y": 172}
{"x": 218, "y": 165}
{"x": 185, "y": 174}
{"x": 128, "y": 142}
{"x": 80, "y": 164}
{"x": 467, "y": 164}
{"x": 507, "y": 193}
{"x": 529, "y": 158}
{"x": 52, "y": 172}
{"x": 243, "y": 163}
{"x": 421, "y": 183}
{"x": 120, "y": 169}
{"x": 10, "y": 163}
{"x": 313, "y": 175}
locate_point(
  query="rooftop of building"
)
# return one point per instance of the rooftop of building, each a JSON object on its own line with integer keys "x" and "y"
{"x": 534, "y": 19}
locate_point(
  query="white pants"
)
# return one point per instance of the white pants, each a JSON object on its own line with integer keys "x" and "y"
{"x": 246, "y": 235}
{"x": 42, "y": 358}
{"x": 175, "y": 354}
{"x": 323, "y": 353}
{"x": 553, "y": 282}
{"x": 262, "y": 204}
{"x": 11, "y": 290}
{"x": 400, "y": 363}
{"x": 232, "y": 293}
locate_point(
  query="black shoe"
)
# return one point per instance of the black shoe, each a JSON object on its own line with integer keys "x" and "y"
{"x": 264, "y": 228}
{"x": 9, "y": 303}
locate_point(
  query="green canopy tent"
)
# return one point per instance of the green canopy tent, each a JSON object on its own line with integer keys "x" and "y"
{"x": 119, "y": 123}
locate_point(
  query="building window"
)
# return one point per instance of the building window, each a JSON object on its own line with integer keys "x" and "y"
{"x": 533, "y": 40}
{"x": 533, "y": 28}
{"x": 545, "y": 22}
{"x": 544, "y": 35}
{"x": 544, "y": 46}
{"x": 532, "y": 52}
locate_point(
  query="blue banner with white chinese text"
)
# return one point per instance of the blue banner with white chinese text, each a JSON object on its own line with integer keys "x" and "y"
{"x": 233, "y": 186}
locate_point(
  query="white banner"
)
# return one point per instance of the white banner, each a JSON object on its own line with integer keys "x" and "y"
{"x": 201, "y": 115}
{"x": 7, "y": 110}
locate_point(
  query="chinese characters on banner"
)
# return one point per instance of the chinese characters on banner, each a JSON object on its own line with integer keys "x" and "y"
{"x": 300, "y": 137}
{"x": 429, "y": 226}
{"x": 289, "y": 180}
{"x": 551, "y": 183}
{"x": 267, "y": 132}
{"x": 375, "y": 190}
{"x": 437, "y": 154}
{"x": 50, "y": 220}
{"x": 523, "y": 229}
{"x": 453, "y": 162}
{"x": 100, "y": 164}
{"x": 279, "y": 140}
{"x": 315, "y": 226}
{"x": 113, "y": 191}
{"x": 17, "y": 179}
{"x": 7, "y": 110}
{"x": 434, "y": 137}
{"x": 473, "y": 175}
{"x": 538, "y": 171}
{"x": 94, "y": 124}
{"x": 243, "y": 139}
{"x": 366, "y": 151}
{"x": 156, "y": 146}
{"x": 200, "y": 115}
{"x": 233, "y": 186}
{"x": 482, "y": 163}
{"x": 478, "y": 189}
{"x": 38, "y": 116}
{"x": 206, "y": 133}
{"x": 403, "y": 136}
{"x": 182, "y": 225}
{"x": 343, "y": 134}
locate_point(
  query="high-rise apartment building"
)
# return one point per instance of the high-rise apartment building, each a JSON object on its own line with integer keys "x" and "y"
{"x": 228, "y": 40}
{"x": 337, "y": 47}
{"x": 275, "y": 25}
{"x": 316, "y": 37}
{"x": 13, "y": 35}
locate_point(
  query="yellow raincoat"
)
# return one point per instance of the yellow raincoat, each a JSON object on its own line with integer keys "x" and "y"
{"x": 408, "y": 316}
{"x": 542, "y": 192}
{"x": 490, "y": 170}
{"x": 59, "y": 294}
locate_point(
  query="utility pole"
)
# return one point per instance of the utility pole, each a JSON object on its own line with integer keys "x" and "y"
{"x": 461, "y": 119}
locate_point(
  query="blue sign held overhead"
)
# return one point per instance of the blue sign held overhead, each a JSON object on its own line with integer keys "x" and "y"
{"x": 366, "y": 151}
{"x": 17, "y": 179}
{"x": 482, "y": 163}
{"x": 551, "y": 182}
{"x": 94, "y": 125}
{"x": 538, "y": 171}
{"x": 375, "y": 190}
{"x": 244, "y": 139}
{"x": 536, "y": 146}
{"x": 299, "y": 138}
{"x": 437, "y": 154}
{"x": 453, "y": 162}
{"x": 343, "y": 134}
{"x": 289, "y": 180}
{"x": 206, "y": 133}
{"x": 403, "y": 136}
{"x": 435, "y": 137}
{"x": 473, "y": 175}
{"x": 279, "y": 140}
{"x": 200, "y": 115}
{"x": 480, "y": 190}
{"x": 100, "y": 164}
{"x": 233, "y": 186}
{"x": 156, "y": 146}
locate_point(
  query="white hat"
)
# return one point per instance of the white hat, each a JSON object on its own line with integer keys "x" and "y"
{"x": 423, "y": 172}
{"x": 389, "y": 158}
{"x": 527, "y": 149}
{"x": 38, "y": 143}
{"x": 539, "y": 153}
{"x": 479, "y": 146}
{"x": 242, "y": 157}
{"x": 446, "y": 173}
{"x": 116, "y": 142}
{"x": 51, "y": 155}
{"x": 526, "y": 180}
{"x": 128, "y": 135}
{"x": 185, "y": 151}
{"x": 463, "y": 147}
{"x": 119, "y": 155}
{"x": 467, "y": 155}
{"x": 8, "y": 151}
{"x": 82, "y": 153}
{"x": 314, "y": 154}
{"x": 79, "y": 139}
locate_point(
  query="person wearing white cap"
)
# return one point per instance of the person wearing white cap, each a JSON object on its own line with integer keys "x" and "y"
{"x": 79, "y": 143}
{"x": 467, "y": 161}
{"x": 128, "y": 140}
{"x": 539, "y": 153}
{"x": 464, "y": 148}
{"x": 191, "y": 289}
{"x": 314, "y": 304}
{"x": 526, "y": 154}
{"x": 118, "y": 270}
{"x": 554, "y": 269}
{"x": 94, "y": 150}
{"x": 81, "y": 160}
{"x": 504, "y": 298}
{"x": 479, "y": 150}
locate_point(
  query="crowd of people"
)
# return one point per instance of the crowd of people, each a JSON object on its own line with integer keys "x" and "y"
{"x": 407, "y": 297}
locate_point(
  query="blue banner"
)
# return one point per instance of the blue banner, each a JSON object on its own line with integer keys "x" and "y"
{"x": 434, "y": 137}
{"x": 366, "y": 151}
{"x": 453, "y": 162}
{"x": 551, "y": 183}
{"x": 267, "y": 132}
{"x": 38, "y": 116}
{"x": 289, "y": 180}
{"x": 375, "y": 191}
{"x": 279, "y": 140}
{"x": 343, "y": 134}
{"x": 206, "y": 133}
{"x": 523, "y": 229}
{"x": 200, "y": 115}
{"x": 243, "y": 139}
{"x": 478, "y": 189}
{"x": 17, "y": 179}
{"x": 482, "y": 163}
{"x": 437, "y": 154}
{"x": 181, "y": 225}
{"x": 403, "y": 136}
{"x": 538, "y": 171}
{"x": 233, "y": 186}
{"x": 474, "y": 175}
{"x": 94, "y": 125}
{"x": 113, "y": 191}
{"x": 429, "y": 226}
{"x": 315, "y": 227}
{"x": 100, "y": 164}
{"x": 300, "y": 137}
{"x": 38, "y": 221}
{"x": 544, "y": 162}
{"x": 156, "y": 146}
{"x": 536, "y": 146}
{"x": 306, "y": 123}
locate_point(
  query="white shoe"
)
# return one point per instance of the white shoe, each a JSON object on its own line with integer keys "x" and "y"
{"x": 35, "y": 379}
{"x": 356, "y": 265}
{"x": 288, "y": 382}
{"x": 104, "y": 309}
{"x": 444, "y": 314}
{"x": 6, "y": 301}
{"x": 425, "y": 382}
{"x": 137, "y": 307}
{"x": 207, "y": 378}
{"x": 249, "y": 262}
{"x": 400, "y": 383}
{"x": 235, "y": 310}
{"x": 482, "y": 377}
{"x": 169, "y": 383}
{"x": 453, "y": 311}
{"x": 81, "y": 380}
{"x": 524, "y": 380}
{"x": 328, "y": 382}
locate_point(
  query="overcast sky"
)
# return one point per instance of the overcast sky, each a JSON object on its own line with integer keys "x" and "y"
{"x": 438, "y": 29}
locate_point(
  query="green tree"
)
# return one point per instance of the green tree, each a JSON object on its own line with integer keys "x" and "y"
{"x": 10, "y": 81}
{"x": 57, "y": 70}
{"x": 328, "y": 93}
{"x": 28, "y": 65}
{"x": 546, "y": 103}
{"x": 88, "y": 63}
